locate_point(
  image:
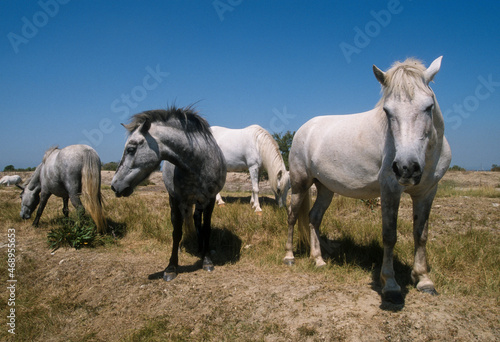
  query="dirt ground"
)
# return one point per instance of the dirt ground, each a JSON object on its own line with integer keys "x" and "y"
{"x": 119, "y": 291}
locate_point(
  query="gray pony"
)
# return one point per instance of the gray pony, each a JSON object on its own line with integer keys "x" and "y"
{"x": 66, "y": 173}
{"x": 194, "y": 171}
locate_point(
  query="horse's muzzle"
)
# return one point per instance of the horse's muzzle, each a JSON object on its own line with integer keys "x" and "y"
{"x": 407, "y": 173}
{"x": 25, "y": 214}
{"x": 123, "y": 192}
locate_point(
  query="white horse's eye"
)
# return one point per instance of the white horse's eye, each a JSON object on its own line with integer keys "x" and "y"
{"x": 131, "y": 149}
{"x": 429, "y": 109}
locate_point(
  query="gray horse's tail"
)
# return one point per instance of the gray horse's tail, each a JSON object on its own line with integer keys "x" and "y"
{"x": 303, "y": 221}
{"x": 91, "y": 189}
{"x": 189, "y": 230}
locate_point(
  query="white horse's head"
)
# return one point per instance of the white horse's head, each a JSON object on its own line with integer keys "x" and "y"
{"x": 409, "y": 105}
{"x": 283, "y": 185}
{"x": 140, "y": 158}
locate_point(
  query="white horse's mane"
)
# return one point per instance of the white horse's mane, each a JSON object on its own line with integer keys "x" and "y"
{"x": 270, "y": 154}
{"x": 403, "y": 78}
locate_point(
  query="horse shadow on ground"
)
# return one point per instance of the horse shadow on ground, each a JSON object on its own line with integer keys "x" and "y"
{"x": 345, "y": 251}
{"x": 263, "y": 200}
{"x": 225, "y": 248}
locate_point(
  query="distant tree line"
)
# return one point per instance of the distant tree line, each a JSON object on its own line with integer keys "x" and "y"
{"x": 494, "y": 167}
{"x": 11, "y": 168}
{"x": 111, "y": 166}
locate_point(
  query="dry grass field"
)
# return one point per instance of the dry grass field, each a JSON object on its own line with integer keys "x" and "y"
{"x": 114, "y": 292}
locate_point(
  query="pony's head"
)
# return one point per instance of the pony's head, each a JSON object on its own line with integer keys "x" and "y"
{"x": 141, "y": 157}
{"x": 409, "y": 105}
{"x": 30, "y": 198}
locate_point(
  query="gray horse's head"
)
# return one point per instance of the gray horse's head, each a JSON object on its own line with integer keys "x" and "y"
{"x": 30, "y": 197}
{"x": 409, "y": 104}
{"x": 140, "y": 158}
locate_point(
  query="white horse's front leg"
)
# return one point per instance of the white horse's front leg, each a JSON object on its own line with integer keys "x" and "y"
{"x": 421, "y": 211}
{"x": 254, "y": 176}
{"x": 219, "y": 200}
{"x": 391, "y": 291}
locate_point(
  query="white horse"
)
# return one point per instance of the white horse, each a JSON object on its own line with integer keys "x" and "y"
{"x": 399, "y": 146}
{"x": 249, "y": 149}
{"x": 10, "y": 180}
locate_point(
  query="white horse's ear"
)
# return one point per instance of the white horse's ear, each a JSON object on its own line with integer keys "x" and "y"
{"x": 433, "y": 69}
{"x": 379, "y": 74}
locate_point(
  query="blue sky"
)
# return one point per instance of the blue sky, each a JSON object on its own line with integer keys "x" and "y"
{"x": 72, "y": 71}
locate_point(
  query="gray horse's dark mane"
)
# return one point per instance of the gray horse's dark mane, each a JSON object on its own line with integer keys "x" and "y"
{"x": 186, "y": 118}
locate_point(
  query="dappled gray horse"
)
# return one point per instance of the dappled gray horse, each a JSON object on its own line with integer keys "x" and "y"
{"x": 399, "y": 146}
{"x": 66, "y": 173}
{"x": 194, "y": 171}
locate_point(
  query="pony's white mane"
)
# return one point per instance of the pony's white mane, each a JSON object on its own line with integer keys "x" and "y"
{"x": 270, "y": 154}
{"x": 403, "y": 78}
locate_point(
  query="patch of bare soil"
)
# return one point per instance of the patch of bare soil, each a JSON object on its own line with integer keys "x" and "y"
{"x": 117, "y": 291}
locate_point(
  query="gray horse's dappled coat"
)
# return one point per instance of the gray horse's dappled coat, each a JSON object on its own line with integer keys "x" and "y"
{"x": 68, "y": 173}
{"x": 194, "y": 170}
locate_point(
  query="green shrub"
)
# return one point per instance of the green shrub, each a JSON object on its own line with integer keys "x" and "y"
{"x": 76, "y": 232}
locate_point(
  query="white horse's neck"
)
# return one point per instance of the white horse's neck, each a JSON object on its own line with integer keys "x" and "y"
{"x": 270, "y": 155}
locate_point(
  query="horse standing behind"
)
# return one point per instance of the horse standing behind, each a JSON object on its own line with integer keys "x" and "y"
{"x": 66, "y": 173}
{"x": 399, "y": 146}
{"x": 10, "y": 180}
{"x": 194, "y": 171}
{"x": 249, "y": 149}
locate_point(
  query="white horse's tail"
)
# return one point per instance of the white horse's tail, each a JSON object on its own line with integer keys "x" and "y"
{"x": 304, "y": 229}
{"x": 91, "y": 190}
{"x": 304, "y": 237}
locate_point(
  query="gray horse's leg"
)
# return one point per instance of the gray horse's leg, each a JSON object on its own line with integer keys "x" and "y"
{"x": 204, "y": 233}
{"x": 44, "y": 197}
{"x": 391, "y": 291}
{"x": 254, "y": 176}
{"x": 421, "y": 211}
{"x": 65, "y": 206}
{"x": 177, "y": 219}
{"x": 322, "y": 203}
{"x": 75, "y": 200}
